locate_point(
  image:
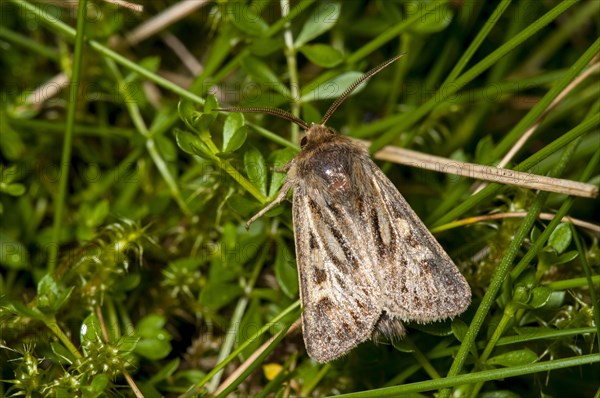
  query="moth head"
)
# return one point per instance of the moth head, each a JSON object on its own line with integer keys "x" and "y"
{"x": 315, "y": 135}
{"x": 316, "y": 132}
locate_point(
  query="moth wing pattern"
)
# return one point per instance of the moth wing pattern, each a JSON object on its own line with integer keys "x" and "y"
{"x": 339, "y": 288}
{"x": 419, "y": 280}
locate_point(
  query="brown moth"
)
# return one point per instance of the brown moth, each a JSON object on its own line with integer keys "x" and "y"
{"x": 366, "y": 262}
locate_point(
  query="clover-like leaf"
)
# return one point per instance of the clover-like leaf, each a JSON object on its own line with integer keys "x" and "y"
{"x": 192, "y": 144}
{"x": 285, "y": 270}
{"x": 322, "y": 55}
{"x": 322, "y": 19}
{"x": 51, "y": 295}
{"x": 333, "y": 88}
{"x": 256, "y": 169}
{"x": 514, "y": 358}
{"x": 237, "y": 140}
{"x": 560, "y": 238}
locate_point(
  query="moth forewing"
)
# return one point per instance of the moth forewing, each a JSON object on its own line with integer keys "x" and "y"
{"x": 340, "y": 298}
{"x": 420, "y": 281}
{"x": 366, "y": 261}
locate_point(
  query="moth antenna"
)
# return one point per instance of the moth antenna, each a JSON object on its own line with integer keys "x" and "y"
{"x": 270, "y": 111}
{"x": 354, "y": 85}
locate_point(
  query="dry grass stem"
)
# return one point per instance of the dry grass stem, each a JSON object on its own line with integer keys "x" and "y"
{"x": 485, "y": 173}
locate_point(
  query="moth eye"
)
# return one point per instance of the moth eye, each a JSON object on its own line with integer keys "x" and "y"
{"x": 303, "y": 142}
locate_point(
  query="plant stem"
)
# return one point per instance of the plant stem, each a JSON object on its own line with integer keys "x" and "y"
{"x": 65, "y": 164}
{"x": 53, "y": 325}
{"x": 422, "y": 360}
{"x": 483, "y": 33}
{"x": 290, "y": 54}
{"x": 486, "y": 375}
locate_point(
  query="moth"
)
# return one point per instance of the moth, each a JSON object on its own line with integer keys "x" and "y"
{"x": 366, "y": 262}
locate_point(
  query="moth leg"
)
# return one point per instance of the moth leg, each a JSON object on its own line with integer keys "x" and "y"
{"x": 286, "y": 167}
{"x": 283, "y": 169}
{"x": 287, "y": 185}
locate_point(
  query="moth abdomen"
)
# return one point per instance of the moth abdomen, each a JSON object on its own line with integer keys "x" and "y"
{"x": 388, "y": 328}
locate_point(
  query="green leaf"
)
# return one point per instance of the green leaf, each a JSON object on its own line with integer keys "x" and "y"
{"x": 245, "y": 18}
{"x": 250, "y": 324}
{"x": 165, "y": 146}
{"x": 534, "y": 234}
{"x": 127, "y": 282}
{"x": 556, "y": 300}
{"x": 483, "y": 149}
{"x": 322, "y": 55}
{"x": 95, "y": 216}
{"x": 165, "y": 372}
{"x": 261, "y": 73}
{"x": 8, "y": 174}
{"x": 62, "y": 393}
{"x": 230, "y": 247}
{"x": 441, "y": 328}
{"x": 278, "y": 159}
{"x": 266, "y": 46}
{"x": 233, "y": 123}
{"x": 11, "y": 143}
{"x": 65, "y": 356}
{"x": 333, "y": 88}
{"x": 551, "y": 258}
{"x": 149, "y": 391}
{"x": 403, "y": 346}
{"x": 540, "y": 296}
{"x": 218, "y": 294}
{"x": 153, "y": 349}
{"x": 247, "y": 207}
{"x": 151, "y": 326}
{"x": 521, "y": 295}
{"x": 566, "y": 257}
{"x": 190, "y": 143}
{"x": 209, "y": 115}
{"x": 154, "y": 340}
{"x": 187, "y": 110}
{"x": 192, "y": 376}
{"x": 17, "y": 307}
{"x": 499, "y": 394}
{"x": 196, "y": 121}
{"x": 51, "y": 296}
{"x": 237, "y": 139}
{"x": 285, "y": 270}
{"x": 127, "y": 343}
{"x": 560, "y": 238}
{"x": 15, "y": 189}
{"x": 320, "y": 21}
{"x": 150, "y": 63}
{"x": 132, "y": 92}
{"x": 514, "y": 358}
{"x": 97, "y": 387}
{"x": 459, "y": 329}
{"x": 429, "y": 22}
{"x": 13, "y": 254}
{"x": 90, "y": 331}
{"x": 256, "y": 169}
{"x": 311, "y": 113}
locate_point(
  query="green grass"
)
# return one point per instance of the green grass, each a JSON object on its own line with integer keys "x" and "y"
{"x": 126, "y": 267}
